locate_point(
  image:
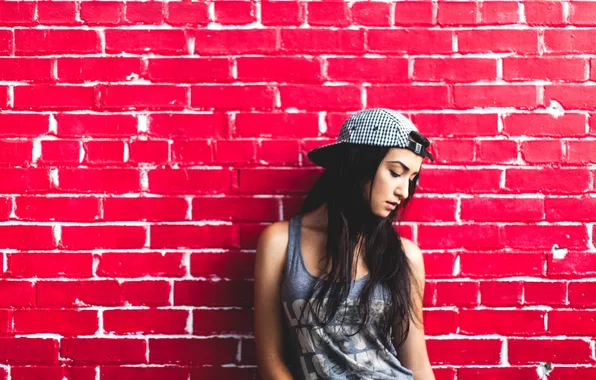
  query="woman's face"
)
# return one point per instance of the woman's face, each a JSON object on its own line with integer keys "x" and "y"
{"x": 392, "y": 181}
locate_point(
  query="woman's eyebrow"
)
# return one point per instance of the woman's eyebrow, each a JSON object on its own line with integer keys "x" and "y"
{"x": 407, "y": 169}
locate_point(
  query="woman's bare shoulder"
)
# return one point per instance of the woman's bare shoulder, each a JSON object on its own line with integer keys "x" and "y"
{"x": 272, "y": 244}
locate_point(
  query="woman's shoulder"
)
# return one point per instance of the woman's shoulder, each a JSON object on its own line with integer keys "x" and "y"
{"x": 272, "y": 245}
{"x": 413, "y": 253}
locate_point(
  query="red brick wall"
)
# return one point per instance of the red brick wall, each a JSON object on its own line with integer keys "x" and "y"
{"x": 144, "y": 147}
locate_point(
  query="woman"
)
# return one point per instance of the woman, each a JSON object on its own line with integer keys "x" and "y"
{"x": 338, "y": 295}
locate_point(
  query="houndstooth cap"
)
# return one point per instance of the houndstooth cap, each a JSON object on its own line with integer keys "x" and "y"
{"x": 373, "y": 126}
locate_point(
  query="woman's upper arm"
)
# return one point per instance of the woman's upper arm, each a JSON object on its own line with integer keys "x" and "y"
{"x": 413, "y": 353}
{"x": 269, "y": 265}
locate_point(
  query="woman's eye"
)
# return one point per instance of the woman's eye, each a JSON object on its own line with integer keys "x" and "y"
{"x": 394, "y": 174}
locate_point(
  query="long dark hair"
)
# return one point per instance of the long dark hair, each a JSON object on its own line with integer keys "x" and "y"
{"x": 351, "y": 222}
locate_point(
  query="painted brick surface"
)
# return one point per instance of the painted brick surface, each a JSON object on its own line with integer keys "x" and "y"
{"x": 145, "y": 145}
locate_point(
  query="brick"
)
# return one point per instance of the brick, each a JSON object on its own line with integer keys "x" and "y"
{"x": 501, "y": 293}
{"x": 408, "y": 96}
{"x": 496, "y": 373}
{"x": 570, "y": 372}
{"x": 103, "y": 13}
{"x": 545, "y": 236}
{"x": 147, "y": 293}
{"x": 207, "y": 293}
{"x": 498, "y": 41}
{"x": 145, "y": 208}
{"x": 27, "y": 237}
{"x": 149, "y": 151}
{"x": 502, "y": 209}
{"x": 548, "y": 69}
{"x": 570, "y": 40}
{"x": 328, "y": 13}
{"x": 62, "y": 13}
{"x": 57, "y": 208}
{"x": 71, "y": 294}
{"x": 234, "y": 12}
{"x": 572, "y": 322}
{"x": 502, "y": 322}
{"x": 105, "y": 180}
{"x": 278, "y": 124}
{"x": 236, "y": 265}
{"x": 426, "y": 209}
{"x": 16, "y": 153}
{"x": 209, "y": 322}
{"x": 52, "y": 97}
{"x": 28, "y": 351}
{"x": 48, "y": 265}
{"x": 460, "y": 181}
{"x": 127, "y": 97}
{"x": 526, "y": 351}
{"x": 17, "y": 13}
{"x": 6, "y": 42}
{"x": 105, "y": 236}
{"x": 25, "y": 69}
{"x": 235, "y": 151}
{"x": 29, "y": 180}
{"x": 493, "y": 151}
{"x": 581, "y": 152}
{"x": 413, "y": 13}
{"x": 6, "y": 208}
{"x": 239, "y": 41}
{"x": 371, "y": 13}
{"x": 282, "y": 13}
{"x": 358, "y": 69}
{"x": 193, "y": 351}
{"x": 327, "y": 41}
{"x": 548, "y": 13}
{"x": 168, "y": 181}
{"x": 582, "y": 294}
{"x": 17, "y": 293}
{"x": 457, "y": 124}
{"x": 187, "y": 13}
{"x": 23, "y": 124}
{"x": 440, "y": 322}
{"x": 104, "y": 152}
{"x": 460, "y": 293}
{"x": 318, "y": 98}
{"x": 193, "y": 152}
{"x": 412, "y": 41}
{"x": 4, "y": 97}
{"x": 454, "y": 151}
{"x": 98, "y": 68}
{"x": 464, "y": 351}
{"x": 131, "y": 264}
{"x": 188, "y": 125}
{"x": 570, "y": 209}
{"x": 96, "y": 125}
{"x": 145, "y": 13}
{"x": 574, "y": 264}
{"x": 51, "y": 41}
{"x": 540, "y": 180}
{"x": 279, "y": 152}
{"x": 520, "y": 96}
{"x": 542, "y": 151}
{"x": 64, "y": 322}
{"x": 460, "y": 236}
{"x": 145, "y": 321}
{"x": 582, "y": 13}
{"x": 455, "y": 69}
{"x": 249, "y": 234}
{"x": 63, "y": 152}
{"x": 245, "y": 97}
{"x": 479, "y": 264}
{"x": 145, "y": 373}
{"x": 276, "y": 180}
{"x": 499, "y": 13}
{"x": 570, "y": 124}
{"x": 189, "y": 70}
{"x": 457, "y": 14}
{"x": 445, "y": 373}
{"x": 189, "y": 236}
{"x": 57, "y": 372}
{"x": 429, "y": 296}
{"x": 279, "y": 69}
{"x": 104, "y": 350}
{"x": 545, "y": 293}
{"x": 571, "y": 96}
{"x": 158, "y": 41}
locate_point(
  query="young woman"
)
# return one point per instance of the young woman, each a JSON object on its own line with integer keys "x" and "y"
{"x": 338, "y": 294}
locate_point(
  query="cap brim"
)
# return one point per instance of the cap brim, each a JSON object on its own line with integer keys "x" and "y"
{"x": 325, "y": 154}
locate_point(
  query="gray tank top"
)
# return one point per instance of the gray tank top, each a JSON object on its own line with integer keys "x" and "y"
{"x": 334, "y": 352}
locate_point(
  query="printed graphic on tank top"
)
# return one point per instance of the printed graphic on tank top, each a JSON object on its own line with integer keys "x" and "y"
{"x": 334, "y": 351}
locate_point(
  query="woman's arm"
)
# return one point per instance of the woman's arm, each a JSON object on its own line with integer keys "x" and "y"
{"x": 413, "y": 353}
{"x": 270, "y": 262}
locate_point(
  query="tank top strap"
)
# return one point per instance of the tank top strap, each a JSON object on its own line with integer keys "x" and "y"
{"x": 293, "y": 255}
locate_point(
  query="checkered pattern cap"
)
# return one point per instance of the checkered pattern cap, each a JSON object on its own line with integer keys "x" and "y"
{"x": 374, "y": 126}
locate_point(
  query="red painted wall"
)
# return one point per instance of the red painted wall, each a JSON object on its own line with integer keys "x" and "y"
{"x": 145, "y": 145}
